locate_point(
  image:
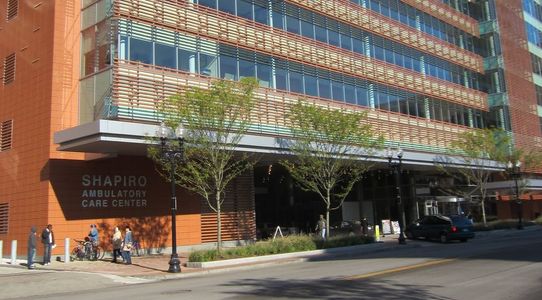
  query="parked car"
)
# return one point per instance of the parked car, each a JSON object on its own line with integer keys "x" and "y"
{"x": 440, "y": 227}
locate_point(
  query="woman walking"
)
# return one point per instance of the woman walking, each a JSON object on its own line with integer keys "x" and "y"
{"x": 127, "y": 247}
{"x": 117, "y": 244}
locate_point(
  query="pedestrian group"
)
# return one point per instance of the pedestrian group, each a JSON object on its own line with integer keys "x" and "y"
{"x": 122, "y": 246}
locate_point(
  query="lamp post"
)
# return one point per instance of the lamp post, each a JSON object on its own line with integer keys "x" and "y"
{"x": 174, "y": 153}
{"x": 514, "y": 169}
{"x": 395, "y": 161}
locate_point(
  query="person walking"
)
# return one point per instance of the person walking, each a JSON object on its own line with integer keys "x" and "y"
{"x": 127, "y": 246}
{"x": 31, "y": 248}
{"x": 93, "y": 234}
{"x": 117, "y": 244}
{"x": 48, "y": 240}
{"x": 321, "y": 227}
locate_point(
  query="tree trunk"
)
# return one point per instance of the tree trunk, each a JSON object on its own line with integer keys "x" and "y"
{"x": 218, "y": 225}
{"x": 483, "y": 211}
{"x": 327, "y": 220}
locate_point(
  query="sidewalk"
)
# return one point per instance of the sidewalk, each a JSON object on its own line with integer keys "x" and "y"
{"x": 156, "y": 266}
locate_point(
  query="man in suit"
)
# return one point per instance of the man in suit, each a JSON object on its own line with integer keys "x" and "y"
{"x": 48, "y": 240}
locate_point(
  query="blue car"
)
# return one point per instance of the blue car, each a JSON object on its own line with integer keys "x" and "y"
{"x": 442, "y": 228}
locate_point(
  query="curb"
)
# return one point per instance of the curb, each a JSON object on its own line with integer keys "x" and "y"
{"x": 248, "y": 263}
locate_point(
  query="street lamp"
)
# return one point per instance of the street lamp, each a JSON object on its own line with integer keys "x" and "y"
{"x": 395, "y": 161}
{"x": 514, "y": 169}
{"x": 174, "y": 153}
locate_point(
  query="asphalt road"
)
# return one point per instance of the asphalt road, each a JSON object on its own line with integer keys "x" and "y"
{"x": 500, "y": 266}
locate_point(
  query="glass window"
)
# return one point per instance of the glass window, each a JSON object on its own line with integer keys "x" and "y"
{"x": 296, "y": 82}
{"x": 88, "y": 49}
{"x": 321, "y": 33}
{"x": 246, "y": 68}
{"x": 261, "y": 14}
{"x": 358, "y": 46}
{"x": 244, "y": 9}
{"x": 184, "y": 59}
{"x": 140, "y": 51}
{"x": 394, "y": 103}
{"x": 227, "y": 6}
{"x": 165, "y": 56}
{"x": 311, "y": 85}
{"x": 437, "y": 111}
{"x": 264, "y": 75}
{"x": 281, "y": 78}
{"x": 228, "y": 67}
{"x": 412, "y": 106}
{"x": 278, "y": 20}
{"x": 307, "y": 29}
{"x": 382, "y": 101}
{"x": 350, "y": 93}
{"x": 421, "y": 107}
{"x": 346, "y": 42}
{"x": 334, "y": 38}
{"x": 208, "y": 64}
{"x": 338, "y": 91}
{"x": 324, "y": 88}
{"x": 378, "y": 52}
{"x": 208, "y": 3}
{"x": 292, "y": 24}
{"x": 362, "y": 96}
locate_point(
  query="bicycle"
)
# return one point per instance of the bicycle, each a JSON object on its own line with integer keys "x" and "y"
{"x": 86, "y": 250}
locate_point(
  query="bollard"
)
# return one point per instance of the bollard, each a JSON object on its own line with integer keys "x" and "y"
{"x": 13, "y": 252}
{"x": 377, "y": 233}
{"x": 1, "y": 252}
{"x": 66, "y": 250}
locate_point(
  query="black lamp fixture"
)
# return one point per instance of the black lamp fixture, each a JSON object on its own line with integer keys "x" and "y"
{"x": 172, "y": 149}
{"x": 395, "y": 162}
{"x": 514, "y": 170}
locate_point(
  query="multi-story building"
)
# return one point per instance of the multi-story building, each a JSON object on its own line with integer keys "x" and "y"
{"x": 82, "y": 79}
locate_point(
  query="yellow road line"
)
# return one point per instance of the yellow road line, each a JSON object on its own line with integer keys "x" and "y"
{"x": 401, "y": 269}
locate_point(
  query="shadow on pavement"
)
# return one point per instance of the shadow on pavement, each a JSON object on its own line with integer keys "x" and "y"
{"x": 331, "y": 289}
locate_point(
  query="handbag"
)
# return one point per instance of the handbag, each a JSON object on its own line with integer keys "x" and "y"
{"x": 127, "y": 247}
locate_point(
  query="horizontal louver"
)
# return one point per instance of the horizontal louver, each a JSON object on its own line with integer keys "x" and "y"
{"x": 6, "y": 132}
{"x": 13, "y": 7}
{"x": 4, "y": 213}
{"x": 9, "y": 69}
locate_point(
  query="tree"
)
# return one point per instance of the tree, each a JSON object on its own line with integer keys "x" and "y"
{"x": 474, "y": 156}
{"x": 530, "y": 160}
{"x": 216, "y": 120}
{"x": 330, "y": 148}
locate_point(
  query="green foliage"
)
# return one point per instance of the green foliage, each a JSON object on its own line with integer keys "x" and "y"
{"x": 330, "y": 148}
{"x": 288, "y": 244}
{"x": 344, "y": 241}
{"x": 216, "y": 119}
{"x": 476, "y": 155}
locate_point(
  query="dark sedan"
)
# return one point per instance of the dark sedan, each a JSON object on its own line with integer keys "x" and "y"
{"x": 441, "y": 227}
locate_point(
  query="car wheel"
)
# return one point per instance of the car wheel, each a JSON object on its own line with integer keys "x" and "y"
{"x": 409, "y": 235}
{"x": 463, "y": 240}
{"x": 443, "y": 238}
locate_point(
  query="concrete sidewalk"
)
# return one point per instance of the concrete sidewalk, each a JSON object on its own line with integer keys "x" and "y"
{"x": 156, "y": 266}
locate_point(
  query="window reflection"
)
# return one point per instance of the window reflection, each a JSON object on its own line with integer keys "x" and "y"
{"x": 141, "y": 50}
{"x": 165, "y": 56}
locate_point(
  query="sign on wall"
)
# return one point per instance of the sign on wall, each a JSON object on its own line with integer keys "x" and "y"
{"x": 104, "y": 191}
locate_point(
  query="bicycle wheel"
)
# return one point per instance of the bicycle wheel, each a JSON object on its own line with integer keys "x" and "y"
{"x": 77, "y": 254}
{"x": 93, "y": 254}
